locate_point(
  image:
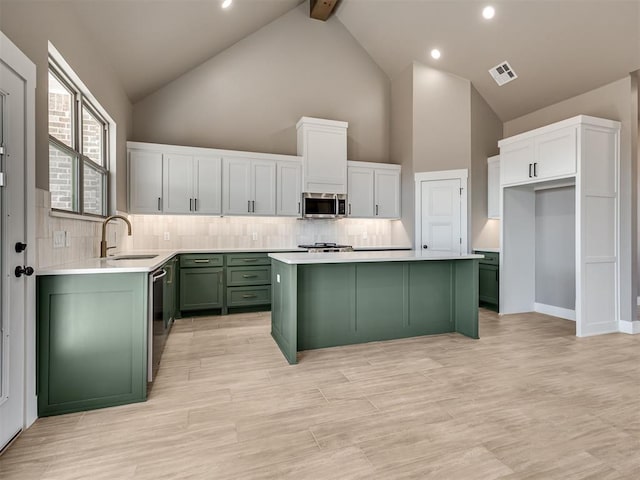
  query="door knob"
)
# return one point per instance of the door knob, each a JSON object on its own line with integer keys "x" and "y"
{"x": 19, "y": 271}
{"x": 425, "y": 246}
{"x": 20, "y": 247}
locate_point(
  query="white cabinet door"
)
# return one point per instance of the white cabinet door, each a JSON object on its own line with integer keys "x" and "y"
{"x": 387, "y": 193}
{"x": 325, "y": 160}
{"x": 263, "y": 187}
{"x": 555, "y": 154}
{"x": 145, "y": 182}
{"x": 236, "y": 186}
{"x": 360, "y": 187}
{"x": 493, "y": 187}
{"x": 207, "y": 185}
{"x": 289, "y": 189}
{"x": 178, "y": 183}
{"x": 516, "y": 162}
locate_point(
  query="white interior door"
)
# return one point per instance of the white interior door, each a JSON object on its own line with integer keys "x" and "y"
{"x": 12, "y": 231}
{"x": 441, "y": 216}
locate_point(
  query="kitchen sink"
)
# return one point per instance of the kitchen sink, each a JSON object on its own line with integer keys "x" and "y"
{"x": 131, "y": 257}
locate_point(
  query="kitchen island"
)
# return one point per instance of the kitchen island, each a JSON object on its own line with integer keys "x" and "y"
{"x": 330, "y": 299}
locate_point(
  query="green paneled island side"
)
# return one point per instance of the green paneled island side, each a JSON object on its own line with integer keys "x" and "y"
{"x": 329, "y": 299}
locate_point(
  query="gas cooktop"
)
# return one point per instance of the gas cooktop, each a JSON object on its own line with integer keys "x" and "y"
{"x": 327, "y": 247}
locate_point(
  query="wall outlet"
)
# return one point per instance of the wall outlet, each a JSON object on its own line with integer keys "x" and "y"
{"x": 67, "y": 239}
{"x": 365, "y": 235}
{"x": 254, "y": 236}
{"x": 167, "y": 236}
{"x": 58, "y": 239}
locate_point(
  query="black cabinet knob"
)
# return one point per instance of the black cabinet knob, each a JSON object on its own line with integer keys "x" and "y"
{"x": 19, "y": 271}
{"x": 425, "y": 246}
{"x": 20, "y": 247}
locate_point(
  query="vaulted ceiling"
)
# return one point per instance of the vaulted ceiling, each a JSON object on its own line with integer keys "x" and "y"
{"x": 558, "y": 48}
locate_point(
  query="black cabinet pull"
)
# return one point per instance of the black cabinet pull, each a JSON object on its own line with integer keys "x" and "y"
{"x": 248, "y": 206}
{"x": 195, "y": 204}
{"x": 530, "y": 171}
{"x": 535, "y": 169}
{"x": 159, "y": 204}
{"x": 191, "y": 204}
{"x": 298, "y": 207}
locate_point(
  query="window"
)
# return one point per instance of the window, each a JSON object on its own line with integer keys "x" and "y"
{"x": 78, "y": 147}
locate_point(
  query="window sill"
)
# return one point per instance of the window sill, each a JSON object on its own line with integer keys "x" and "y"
{"x": 75, "y": 216}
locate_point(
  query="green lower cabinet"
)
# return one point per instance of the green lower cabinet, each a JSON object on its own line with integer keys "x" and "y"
{"x": 201, "y": 288}
{"x": 92, "y": 341}
{"x": 489, "y": 279}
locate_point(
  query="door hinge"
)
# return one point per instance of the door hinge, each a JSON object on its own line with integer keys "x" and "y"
{"x": 460, "y": 190}
{"x": 2, "y": 179}
{"x": 460, "y": 241}
{"x": 1, "y": 149}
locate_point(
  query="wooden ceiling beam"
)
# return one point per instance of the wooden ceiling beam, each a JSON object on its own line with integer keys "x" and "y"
{"x": 322, "y": 9}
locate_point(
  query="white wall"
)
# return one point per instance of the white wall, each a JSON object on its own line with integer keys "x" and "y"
{"x": 250, "y": 96}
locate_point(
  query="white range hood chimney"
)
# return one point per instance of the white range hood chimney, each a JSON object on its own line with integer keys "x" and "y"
{"x": 322, "y": 144}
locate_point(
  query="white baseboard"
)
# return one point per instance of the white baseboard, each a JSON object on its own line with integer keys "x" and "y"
{"x": 555, "y": 311}
{"x": 632, "y": 328}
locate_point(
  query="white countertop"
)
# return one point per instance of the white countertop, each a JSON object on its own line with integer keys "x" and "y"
{"x": 147, "y": 265}
{"x": 295, "y": 258}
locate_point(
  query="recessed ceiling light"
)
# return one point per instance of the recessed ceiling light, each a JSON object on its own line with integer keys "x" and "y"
{"x": 227, "y": 3}
{"x": 488, "y": 12}
{"x": 435, "y": 53}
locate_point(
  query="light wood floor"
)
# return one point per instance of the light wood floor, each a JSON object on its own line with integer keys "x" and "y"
{"x": 528, "y": 400}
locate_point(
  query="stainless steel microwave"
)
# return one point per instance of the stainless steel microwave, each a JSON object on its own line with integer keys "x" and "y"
{"x": 324, "y": 205}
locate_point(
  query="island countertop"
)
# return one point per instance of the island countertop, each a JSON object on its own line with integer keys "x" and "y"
{"x": 298, "y": 258}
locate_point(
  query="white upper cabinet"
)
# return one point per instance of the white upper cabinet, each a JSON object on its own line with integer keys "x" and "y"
{"x": 173, "y": 179}
{"x": 145, "y": 182}
{"x": 361, "y": 202}
{"x": 207, "y": 179}
{"x": 248, "y": 186}
{"x": 322, "y": 144}
{"x": 387, "y": 192}
{"x": 547, "y": 155}
{"x": 374, "y": 190}
{"x": 191, "y": 184}
{"x": 493, "y": 187}
{"x": 289, "y": 189}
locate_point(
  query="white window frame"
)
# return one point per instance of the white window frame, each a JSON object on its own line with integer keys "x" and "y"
{"x": 68, "y": 76}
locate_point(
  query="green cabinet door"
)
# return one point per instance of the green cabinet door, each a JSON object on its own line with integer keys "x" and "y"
{"x": 201, "y": 288}
{"x": 92, "y": 341}
{"x": 489, "y": 284}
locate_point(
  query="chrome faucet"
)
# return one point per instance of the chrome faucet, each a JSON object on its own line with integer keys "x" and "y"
{"x": 103, "y": 243}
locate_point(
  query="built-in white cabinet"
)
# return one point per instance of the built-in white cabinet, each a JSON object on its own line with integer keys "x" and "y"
{"x": 373, "y": 190}
{"x": 145, "y": 182}
{"x": 493, "y": 187}
{"x": 545, "y": 156}
{"x": 191, "y": 184}
{"x": 248, "y": 186}
{"x": 551, "y": 159}
{"x": 322, "y": 144}
{"x": 289, "y": 189}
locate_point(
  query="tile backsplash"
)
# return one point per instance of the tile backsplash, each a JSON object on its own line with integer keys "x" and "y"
{"x": 180, "y": 232}
{"x": 80, "y": 239}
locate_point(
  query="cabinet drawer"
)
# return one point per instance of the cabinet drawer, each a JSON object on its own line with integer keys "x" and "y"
{"x": 490, "y": 258}
{"x": 246, "y": 259}
{"x": 245, "y": 296}
{"x": 249, "y": 275}
{"x": 201, "y": 260}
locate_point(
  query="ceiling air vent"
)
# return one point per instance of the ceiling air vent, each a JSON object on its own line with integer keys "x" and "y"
{"x": 503, "y": 73}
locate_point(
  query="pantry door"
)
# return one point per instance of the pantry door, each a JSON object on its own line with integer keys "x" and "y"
{"x": 17, "y": 289}
{"x": 440, "y": 213}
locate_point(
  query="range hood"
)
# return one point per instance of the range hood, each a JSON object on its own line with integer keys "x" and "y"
{"x": 322, "y": 144}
